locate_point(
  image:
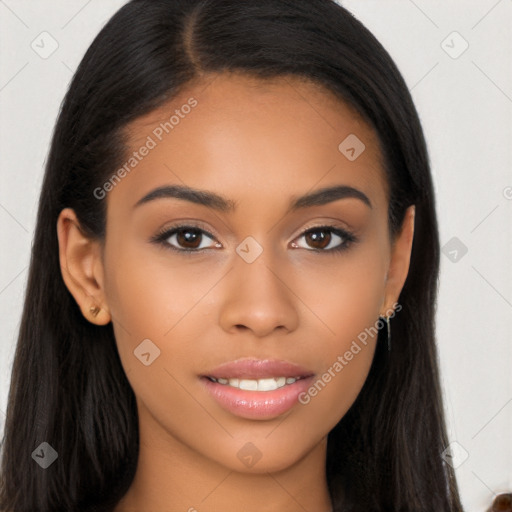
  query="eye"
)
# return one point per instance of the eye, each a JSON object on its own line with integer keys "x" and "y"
{"x": 189, "y": 239}
{"x": 184, "y": 238}
{"x": 327, "y": 239}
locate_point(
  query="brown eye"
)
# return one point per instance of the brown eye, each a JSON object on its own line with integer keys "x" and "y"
{"x": 326, "y": 239}
{"x": 185, "y": 239}
{"x": 319, "y": 238}
{"x": 188, "y": 238}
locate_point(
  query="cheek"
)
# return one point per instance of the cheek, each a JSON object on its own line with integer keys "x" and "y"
{"x": 156, "y": 318}
{"x": 333, "y": 392}
{"x": 345, "y": 292}
{"x": 151, "y": 298}
{"x": 346, "y": 297}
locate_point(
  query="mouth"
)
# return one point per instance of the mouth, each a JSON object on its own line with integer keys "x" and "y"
{"x": 257, "y": 389}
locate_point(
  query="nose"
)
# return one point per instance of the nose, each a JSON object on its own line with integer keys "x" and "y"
{"x": 258, "y": 297}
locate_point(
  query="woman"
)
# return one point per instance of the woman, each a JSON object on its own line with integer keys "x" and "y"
{"x": 233, "y": 281}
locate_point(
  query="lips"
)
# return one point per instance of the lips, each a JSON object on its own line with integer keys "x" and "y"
{"x": 258, "y": 369}
{"x": 255, "y": 388}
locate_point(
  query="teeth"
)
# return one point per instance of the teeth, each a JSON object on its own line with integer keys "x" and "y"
{"x": 268, "y": 384}
{"x": 280, "y": 381}
{"x": 248, "y": 385}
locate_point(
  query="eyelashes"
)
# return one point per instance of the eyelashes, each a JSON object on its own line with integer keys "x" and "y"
{"x": 191, "y": 234}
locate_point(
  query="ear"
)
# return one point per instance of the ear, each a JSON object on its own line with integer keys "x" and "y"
{"x": 399, "y": 263}
{"x": 82, "y": 268}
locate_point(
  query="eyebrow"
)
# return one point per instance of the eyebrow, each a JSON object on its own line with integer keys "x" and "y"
{"x": 222, "y": 204}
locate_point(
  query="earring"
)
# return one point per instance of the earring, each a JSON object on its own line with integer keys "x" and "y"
{"x": 94, "y": 310}
{"x": 388, "y": 322}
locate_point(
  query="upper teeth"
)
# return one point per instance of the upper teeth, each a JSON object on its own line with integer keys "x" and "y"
{"x": 257, "y": 384}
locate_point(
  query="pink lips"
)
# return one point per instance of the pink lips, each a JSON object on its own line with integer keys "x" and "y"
{"x": 257, "y": 404}
{"x": 258, "y": 369}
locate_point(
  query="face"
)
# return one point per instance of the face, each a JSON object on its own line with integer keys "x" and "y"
{"x": 222, "y": 297}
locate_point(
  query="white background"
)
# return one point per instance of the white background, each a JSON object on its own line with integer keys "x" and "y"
{"x": 465, "y": 106}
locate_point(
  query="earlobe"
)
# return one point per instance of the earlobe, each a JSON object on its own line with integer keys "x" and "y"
{"x": 81, "y": 268}
{"x": 400, "y": 260}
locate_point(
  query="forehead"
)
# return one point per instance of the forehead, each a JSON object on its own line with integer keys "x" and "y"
{"x": 242, "y": 132}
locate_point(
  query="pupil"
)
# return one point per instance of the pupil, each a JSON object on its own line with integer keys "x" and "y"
{"x": 318, "y": 239}
{"x": 186, "y": 236}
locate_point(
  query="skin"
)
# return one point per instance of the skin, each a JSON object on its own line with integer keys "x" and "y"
{"x": 259, "y": 144}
